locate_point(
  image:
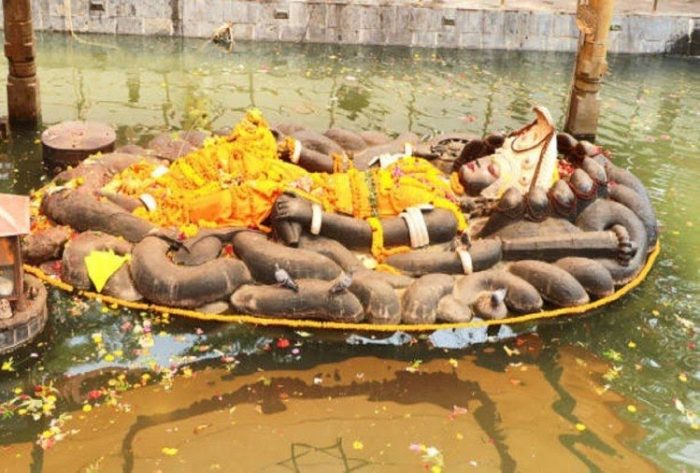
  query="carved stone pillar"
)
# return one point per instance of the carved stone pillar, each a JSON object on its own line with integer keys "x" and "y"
{"x": 24, "y": 108}
{"x": 593, "y": 18}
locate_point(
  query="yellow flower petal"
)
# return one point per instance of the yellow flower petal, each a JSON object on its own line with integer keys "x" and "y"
{"x": 580, "y": 427}
{"x": 7, "y": 365}
{"x": 357, "y": 445}
{"x": 170, "y": 451}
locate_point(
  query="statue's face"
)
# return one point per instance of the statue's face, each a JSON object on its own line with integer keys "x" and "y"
{"x": 478, "y": 175}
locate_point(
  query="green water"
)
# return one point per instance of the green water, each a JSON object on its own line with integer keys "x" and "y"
{"x": 650, "y": 120}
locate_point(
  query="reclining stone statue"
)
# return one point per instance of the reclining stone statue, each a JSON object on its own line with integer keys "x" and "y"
{"x": 367, "y": 226}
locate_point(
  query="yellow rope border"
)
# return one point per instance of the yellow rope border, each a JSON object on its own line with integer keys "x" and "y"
{"x": 315, "y": 324}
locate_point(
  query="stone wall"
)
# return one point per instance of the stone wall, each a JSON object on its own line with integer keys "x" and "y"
{"x": 385, "y": 22}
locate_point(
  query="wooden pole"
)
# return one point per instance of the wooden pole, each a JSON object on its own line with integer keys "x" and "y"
{"x": 23, "y": 106}
{"x": 593, "y": 19}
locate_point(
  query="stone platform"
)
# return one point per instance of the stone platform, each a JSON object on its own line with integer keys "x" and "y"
{"x": 480, "y": 24}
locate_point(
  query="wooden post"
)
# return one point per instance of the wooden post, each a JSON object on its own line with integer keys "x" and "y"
{"x": 593, "y": 19}
{"x": 23, "y": 105}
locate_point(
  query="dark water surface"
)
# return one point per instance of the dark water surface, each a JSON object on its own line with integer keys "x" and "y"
{"x": 613, "y": 391}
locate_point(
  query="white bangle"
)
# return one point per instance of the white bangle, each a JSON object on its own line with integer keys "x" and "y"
{"x": 296, "y": 154}
{"x": 466, "y": 259}
{"x": 149, "y": 202}
{"x": 159, "y": 172}
{"x": 411, "y": 227}
{"x": 421, "y": 227}
{"x": 316, "y": 219}
{"x": 420, "y": 217}
{"x": 417, "y": 228}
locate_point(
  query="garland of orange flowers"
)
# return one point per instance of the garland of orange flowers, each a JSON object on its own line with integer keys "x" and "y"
{"x": 379, "y": 252}
{"x": 338, "y": 163}
{"x": 247, "y": 165}
{"x": 456, "y": 185}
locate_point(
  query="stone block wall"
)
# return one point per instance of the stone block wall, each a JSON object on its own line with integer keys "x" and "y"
{"x": 363, "y": 22}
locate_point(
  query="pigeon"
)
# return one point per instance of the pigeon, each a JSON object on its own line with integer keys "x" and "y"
{"x": 284, "y": 279}
{"x": 498, "y": 296}
{"x": 341, "y": 284}
{"x": 492, "y": 305}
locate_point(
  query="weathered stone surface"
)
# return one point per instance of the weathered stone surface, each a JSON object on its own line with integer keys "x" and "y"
{"x": 299, "y": 14}
{"x": 267, "y": 32}
{"x": 469, "y": 21}
{"x": 126, "y": 25}
{"x": 396, "y": 22}
{"x": 564, "y": 25}
{"x": 493, "y": 23}
{"x": 245, "y": 32}
{"x": 292, "y": 33}
{"x": 470, "y": 40}
{"x": 371, "y": 36}
{"x": 448, "y": 39}
{"x": 104, "y": 25}
{"x": 158, "y": 26}
{"x": 426, "y": 39}
{"x": 243, "y": 12}
{"x": 68, "y": 143}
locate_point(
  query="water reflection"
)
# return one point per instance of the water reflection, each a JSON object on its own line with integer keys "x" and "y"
{"x": 522, "y": 409}
{"x": 366, "y": 413}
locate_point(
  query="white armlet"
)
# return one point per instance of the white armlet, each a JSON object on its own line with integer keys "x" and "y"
{"x": 417, "y": 229}
{"x": 296, "y": 154}
{"x": 316, "y": 219}
{"x": 149, "y": 202}
{"x": 467, "y": 264}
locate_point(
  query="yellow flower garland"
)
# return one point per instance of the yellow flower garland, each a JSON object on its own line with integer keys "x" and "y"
{"x": 378, "y": 251}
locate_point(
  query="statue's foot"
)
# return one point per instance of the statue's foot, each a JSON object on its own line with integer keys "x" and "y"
{"x": 292, "y": 208}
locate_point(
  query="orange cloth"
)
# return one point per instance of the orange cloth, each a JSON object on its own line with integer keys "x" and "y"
{"x": 246, "y": 205}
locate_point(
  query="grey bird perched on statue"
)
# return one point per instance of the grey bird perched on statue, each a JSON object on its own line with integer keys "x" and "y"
{"x": 341, "y": 284}
{"x": 492, "y": 305}
{"x": 284, "y": 279}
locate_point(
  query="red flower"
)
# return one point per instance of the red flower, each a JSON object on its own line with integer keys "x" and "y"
{"x": 94, "y": 394}
{"x": 282, "y": 343}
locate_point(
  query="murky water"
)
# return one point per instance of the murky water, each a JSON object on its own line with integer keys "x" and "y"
{"x": 609, "y": 392}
